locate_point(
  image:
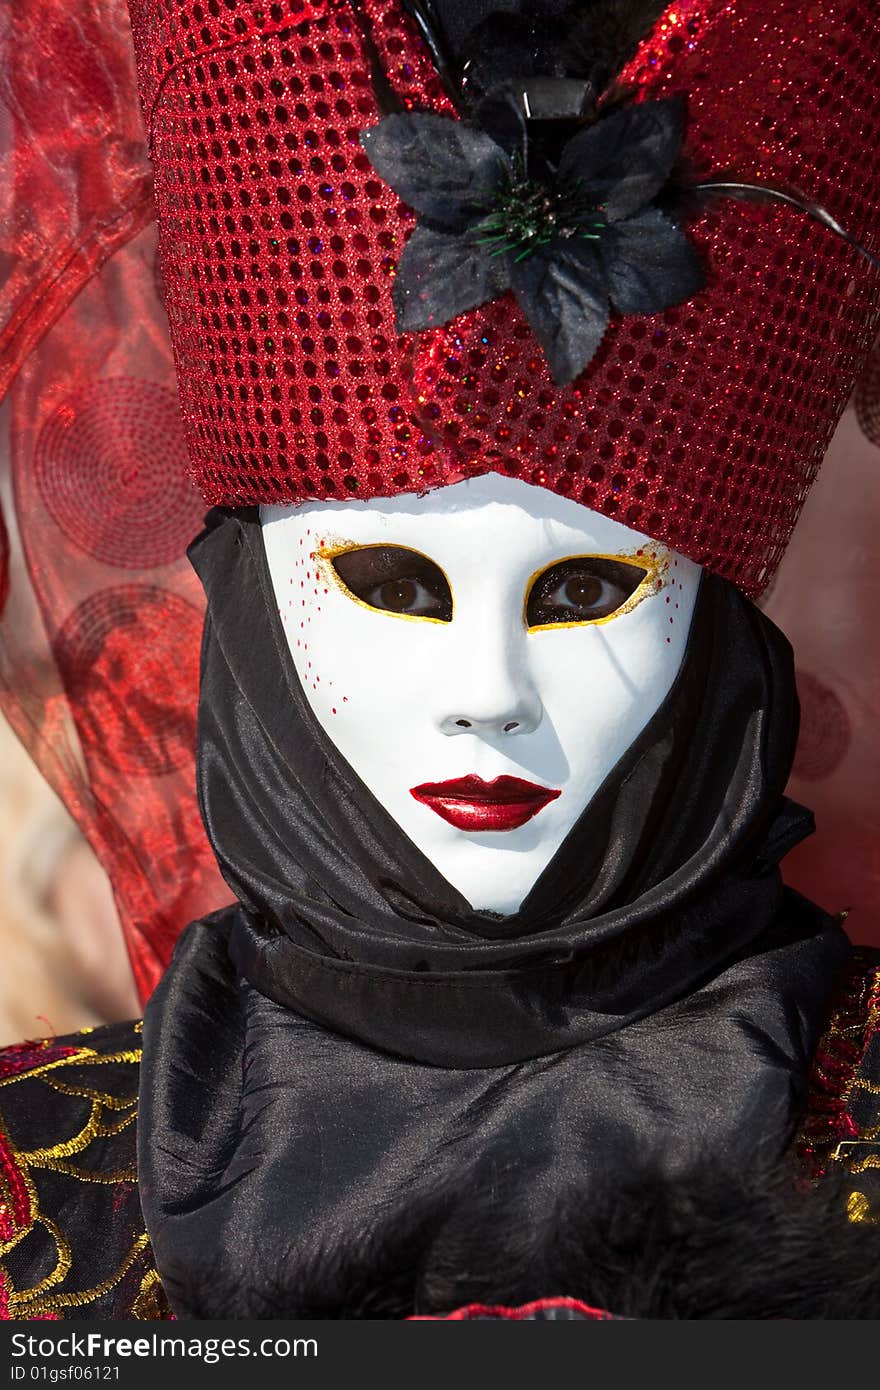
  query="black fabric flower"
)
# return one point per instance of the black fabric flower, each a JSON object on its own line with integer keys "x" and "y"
{"x": 573, "y": 237}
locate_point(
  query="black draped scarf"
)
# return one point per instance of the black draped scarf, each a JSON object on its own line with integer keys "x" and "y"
{"x": 352, "y": 1040}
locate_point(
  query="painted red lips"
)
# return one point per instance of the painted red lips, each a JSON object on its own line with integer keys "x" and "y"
{"x": 469, "y": 803}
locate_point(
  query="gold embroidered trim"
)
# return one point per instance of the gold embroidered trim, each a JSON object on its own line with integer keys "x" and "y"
{"x": 862, "y": 1083}
{"x": 30, "y": 1189}
{"x": 60, "y": 1165}
{"x": 26, "y": 1305}
{"x": 109, "y": 1115}
{"x": 861, "y": 1165}
{"x": 858, "y": 1210}
{"x": 107, "y": 1131}
{"x": 66, "y": 1148}
{"x": 151, "y": 1302}
{"x": 828, "y": 1132}
{"x": 86, "y": 1054}
{"x": 64, "y": 1088}
{"x": 64, "y": 1259}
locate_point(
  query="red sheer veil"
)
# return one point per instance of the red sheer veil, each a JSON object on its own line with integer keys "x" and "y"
{"x": 101, "y": 615}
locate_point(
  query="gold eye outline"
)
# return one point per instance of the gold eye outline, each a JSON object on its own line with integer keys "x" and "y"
{"x": 654, "y": 563}
{"x": 327, "y": 553}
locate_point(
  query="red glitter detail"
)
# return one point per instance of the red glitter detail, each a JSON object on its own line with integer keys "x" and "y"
{"x": 15, "y": 1200}
{"x": 703, "y": 426}
{"x": 521, "y": 1313}
{"x": 23, "y": 1056}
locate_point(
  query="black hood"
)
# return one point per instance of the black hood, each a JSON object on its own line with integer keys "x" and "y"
{"x": 353, "y": 1038}
{"x": 669, "y": 874}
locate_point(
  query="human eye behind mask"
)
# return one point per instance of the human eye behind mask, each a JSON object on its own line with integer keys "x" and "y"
{"x": 583, "y": 589}
{"x": 393, "y": 579}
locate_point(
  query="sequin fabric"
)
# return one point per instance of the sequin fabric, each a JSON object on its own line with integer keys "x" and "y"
{"x": 702, "y": 426}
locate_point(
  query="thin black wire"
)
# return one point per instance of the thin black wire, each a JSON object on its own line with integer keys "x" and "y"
{"x": 387, "y": 99}
{"x": 778, "y": 195}
{"x": 430, "y": 27}
{"x": 422, "y": 12}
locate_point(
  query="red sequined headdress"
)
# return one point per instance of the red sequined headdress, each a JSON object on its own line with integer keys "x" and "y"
{"x": 702, "y": 425}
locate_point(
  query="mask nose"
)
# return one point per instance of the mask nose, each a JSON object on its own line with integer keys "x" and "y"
{"x": 493, "y": 696}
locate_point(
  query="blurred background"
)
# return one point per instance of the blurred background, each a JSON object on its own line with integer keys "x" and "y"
{"x": 65, "y": 965}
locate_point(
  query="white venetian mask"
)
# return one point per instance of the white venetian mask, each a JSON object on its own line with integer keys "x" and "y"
{"x": 482, "y": 656}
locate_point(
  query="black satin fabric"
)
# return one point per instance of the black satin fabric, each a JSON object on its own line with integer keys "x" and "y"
{"x": 353, "y": 1034}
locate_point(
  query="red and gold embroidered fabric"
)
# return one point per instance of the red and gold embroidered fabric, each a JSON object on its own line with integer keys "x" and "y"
{"x": 72, "y": 1239}
{"x": 842, "y": 1123}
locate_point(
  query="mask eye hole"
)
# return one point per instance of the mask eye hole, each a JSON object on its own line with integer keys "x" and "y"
{"x": 581, "y": 590}
{"x": 395, "y": 580}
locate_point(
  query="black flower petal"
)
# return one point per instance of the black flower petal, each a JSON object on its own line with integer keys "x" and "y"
{"x": 560, "y": 289}
{"x": 625, "y": 158}
{"x": 649, "y": 264}
{"x": 442, "y": 274}
{"x": 444, "y": 169}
